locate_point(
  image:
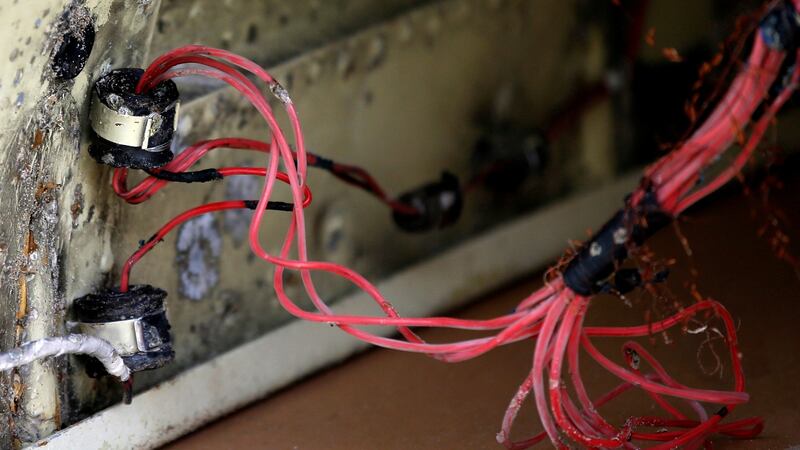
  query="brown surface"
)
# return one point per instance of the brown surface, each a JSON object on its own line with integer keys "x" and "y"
{"x": 393, "y": 400}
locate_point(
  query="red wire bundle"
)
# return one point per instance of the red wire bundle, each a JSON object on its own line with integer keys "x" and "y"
{"x": 553, "y": 315}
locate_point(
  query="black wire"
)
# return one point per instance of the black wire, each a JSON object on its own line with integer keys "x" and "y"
{"x": 198, "y": 176}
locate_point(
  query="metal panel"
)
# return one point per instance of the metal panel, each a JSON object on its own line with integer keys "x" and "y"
{"x": 403, "y": 98}
{"x": 54, "y": 199}
{"x": 406, "y": 98}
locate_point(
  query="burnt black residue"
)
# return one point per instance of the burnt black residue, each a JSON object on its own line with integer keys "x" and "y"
{"x": 75, "y": 39}
{"x": 112, "y": 305}
{"x": 117, "y": 90}
{"x": 252, "y": 34}
{"x": 122, "y": 84}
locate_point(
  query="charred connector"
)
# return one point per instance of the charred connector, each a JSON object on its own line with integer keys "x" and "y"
{"x": 129, "y": 129}
{"x": 436, "y": 205}
{"x": 590, "y": 269}
{"x": 134, "y": 322}
{"x": 505, "y": 157}
{"x": 780, "y": 28}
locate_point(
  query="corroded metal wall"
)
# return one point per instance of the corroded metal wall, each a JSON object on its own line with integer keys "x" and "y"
{"x": 403, "y": 87}
{"x": 269, "y": 31}
{"x": 57, "y": 214}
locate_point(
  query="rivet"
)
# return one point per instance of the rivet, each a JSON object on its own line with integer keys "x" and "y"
{"x": 376, "y": 51}
{"x": 345, "y": 64}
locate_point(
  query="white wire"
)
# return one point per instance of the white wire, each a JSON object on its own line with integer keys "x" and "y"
{"x": 70, "y": 344}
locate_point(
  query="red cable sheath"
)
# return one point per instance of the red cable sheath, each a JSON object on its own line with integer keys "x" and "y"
{"x": 163, "y": 231}
{"x": 197, "y": 211}
{"x": 553, "y": 315}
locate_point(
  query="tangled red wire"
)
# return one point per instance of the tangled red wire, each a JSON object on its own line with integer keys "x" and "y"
{"x": 553, "y": 315}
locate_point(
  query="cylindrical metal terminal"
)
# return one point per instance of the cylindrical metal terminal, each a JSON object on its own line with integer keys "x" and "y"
{"x": 129, "y": 129}
{"x": 134, "y": 322}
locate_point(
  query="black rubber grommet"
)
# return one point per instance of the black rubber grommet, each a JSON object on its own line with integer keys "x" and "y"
{"x": 437, "y": 204}
{"x": 143, "y": 302}
{"x": 505, "y": 157}
{"x": 110, "y": 305}
{"x": 117, "y": 90}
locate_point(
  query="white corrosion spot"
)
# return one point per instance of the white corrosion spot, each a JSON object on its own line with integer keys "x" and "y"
{"x": 595, "y": 249}
{"x": 197, "y": 256}
{"x": 376, "y": 51}
{"x": 635, "y": 360}
{"x": 620, "y": 236}
{"x": 115, "y": 101}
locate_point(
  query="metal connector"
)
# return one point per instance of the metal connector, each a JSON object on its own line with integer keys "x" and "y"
{"x": 120, "y": 127}
{"x": 125, "y": 335}
{"x": 131, "y": 129}
{"x": 134, "y": 322}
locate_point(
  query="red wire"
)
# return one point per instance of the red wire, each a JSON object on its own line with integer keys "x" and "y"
{"x": 163, "y": 231}
{"x": 198, "y": 211}
{"x": 371, "y": 185}
{"x": 553, "y": 315}
{"x": 150, "y": 185}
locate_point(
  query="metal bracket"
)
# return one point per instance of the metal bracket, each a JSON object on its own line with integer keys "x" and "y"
{"x": 126, "y": 129}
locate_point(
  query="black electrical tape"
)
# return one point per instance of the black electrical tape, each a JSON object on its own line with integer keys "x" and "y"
{"x": 350, "y": 179}
{"x": 198, "y": 176}
{"x": 276, "y": 206}
{"x": 780, "y": 28}
{"x": 723, "y": 411}
{"x": 114, "y": 155}
{"x": 599, "y": 257}
{"x": 322, "y": 163}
